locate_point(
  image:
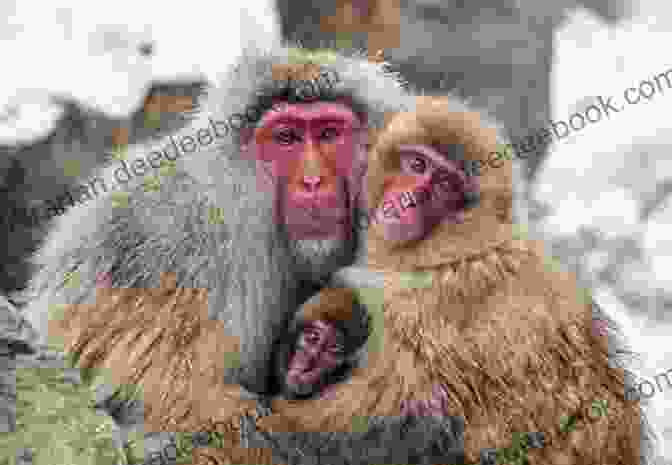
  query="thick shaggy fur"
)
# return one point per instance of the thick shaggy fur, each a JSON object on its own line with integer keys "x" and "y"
{"x": 249, "y": 272}
{"x": 249, "y": 268}
{"x": 506, "y": 334}
{"x": 163, "y": 341}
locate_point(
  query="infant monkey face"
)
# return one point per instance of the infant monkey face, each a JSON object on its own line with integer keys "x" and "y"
{"x": 427, "y": 190}
{"x": 319, "y": 350}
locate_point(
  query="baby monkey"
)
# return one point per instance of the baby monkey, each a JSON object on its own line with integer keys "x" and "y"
{"x": 325, "y": 341}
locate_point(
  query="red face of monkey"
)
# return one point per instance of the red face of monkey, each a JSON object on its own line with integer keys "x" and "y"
{"x": 313, "y": 153}
{"x": 428, "y": 189}
{"x": 319, "y": 351}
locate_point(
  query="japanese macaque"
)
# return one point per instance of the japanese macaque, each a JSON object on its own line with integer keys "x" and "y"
{"x": 324, "y": 343}
{"x": 274, "y": 179}
{"x": 296, "y": 153}
{"x": 494, "y": 335}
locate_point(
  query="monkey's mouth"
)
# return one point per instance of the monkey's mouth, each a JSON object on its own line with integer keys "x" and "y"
{"x": 302, "y": 390}
{"x": 403, "y": 224}
{"x": 314, "y": 222}
{"x": 302, "y": 381}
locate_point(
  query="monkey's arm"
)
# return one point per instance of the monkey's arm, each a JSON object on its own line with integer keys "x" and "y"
{"x": 116, "y": 328}
{"x": 291, "y": 431}
{"x": 394, "y": 439}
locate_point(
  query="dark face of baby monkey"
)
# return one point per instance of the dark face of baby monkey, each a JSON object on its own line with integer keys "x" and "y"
{"x": 320, "y": 352}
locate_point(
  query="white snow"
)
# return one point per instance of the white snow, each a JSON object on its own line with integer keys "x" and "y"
{"x": 599, "y": 176}
{"x": 88, "y": 51}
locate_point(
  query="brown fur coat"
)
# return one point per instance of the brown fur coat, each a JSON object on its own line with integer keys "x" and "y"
{"x": 508, "y": 335}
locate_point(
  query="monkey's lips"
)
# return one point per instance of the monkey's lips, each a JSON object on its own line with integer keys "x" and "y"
{"x": 313, "y": 222}
{"x": 302, "y": 380}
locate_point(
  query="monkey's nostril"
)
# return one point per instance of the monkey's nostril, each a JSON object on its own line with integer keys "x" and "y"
{"x": 311, "y": 182}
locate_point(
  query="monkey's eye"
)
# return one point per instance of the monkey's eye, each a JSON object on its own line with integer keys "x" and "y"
{"x": 419, "y": 165}
{"x": 311, "y": 337}
{"x": 286, "y": 136}
{"x": 414, "y": 164}
{"x": 329, "y": 134}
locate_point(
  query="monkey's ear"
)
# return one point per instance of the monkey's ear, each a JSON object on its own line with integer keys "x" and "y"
{"x": 339, "y": 306}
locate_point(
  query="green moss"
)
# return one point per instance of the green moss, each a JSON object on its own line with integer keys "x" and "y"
{"x": 120, "y": 199}
{"x": 585, "y": 296}
{"x": 520, "y": 231}
{"x": 416, "y": 279}
{"x": 305, "y": 56}
{"x": 120, "y": 152}
{"x": 232, "y": 359}
{"x": 54, "y": 340}
{"x": 152, "y": 119}
{"x": 373, "y": 299}
{"x": 554, "y": 264}
{"x": 72, "y": 168}
{"x": 56, "y": 421}
{"x": 359, "y": 424}
{"x": 151, "y": 184}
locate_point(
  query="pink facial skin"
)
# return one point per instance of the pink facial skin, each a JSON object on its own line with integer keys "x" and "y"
{"x": 104, "y": 280}
{"x": 600, "y": 327}
{"x": 361, "y": 7}
{"x": 314, "y": 154}
{"x": 318, "y": 352}
{"x": 328, "y": 392}
{"x": 437, "y": 405}
{"x": 429, "y": 190}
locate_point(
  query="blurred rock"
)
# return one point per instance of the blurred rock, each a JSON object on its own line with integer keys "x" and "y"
{"x": 114, "y": 63}
{"x": 16, "y": 335}
{"x": 496, "y": 52}
{"x": 24, "y": 456}
{"x": 106, "y": 56}
{"x": 7, "y": 391}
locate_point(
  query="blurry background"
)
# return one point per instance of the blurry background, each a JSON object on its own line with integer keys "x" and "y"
{"x": 81, "y": 79}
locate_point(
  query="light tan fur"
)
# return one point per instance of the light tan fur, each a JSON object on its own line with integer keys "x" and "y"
{"x": 507, "y": 335}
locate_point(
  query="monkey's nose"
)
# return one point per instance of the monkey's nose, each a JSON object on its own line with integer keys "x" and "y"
{"x": 311, "y": 182}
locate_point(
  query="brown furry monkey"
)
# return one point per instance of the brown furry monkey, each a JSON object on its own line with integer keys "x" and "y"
{"x": 499, "y": 337}
{"x": 323, "y": 344}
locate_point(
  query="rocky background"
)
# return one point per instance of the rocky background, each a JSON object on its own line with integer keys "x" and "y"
{"x": 86, "y": 80}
